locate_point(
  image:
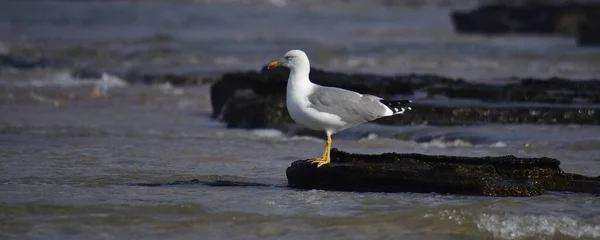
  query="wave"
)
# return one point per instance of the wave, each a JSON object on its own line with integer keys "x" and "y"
{"x": 510, "y": 226}
{"x": 64, "y": 78}
{"x": 373, "y": 132}
{"x": 443, "y": 143}
{"x": 67, "y": 79}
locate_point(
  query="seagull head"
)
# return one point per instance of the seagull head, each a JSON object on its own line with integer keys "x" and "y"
{"x": 294, "y": 59}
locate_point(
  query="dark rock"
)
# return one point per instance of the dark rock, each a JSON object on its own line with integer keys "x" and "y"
{"x": 552, "y": 90}
{"x": 256, "y": 111}
{"x": 535, "y": 17}
{"x": 464, "y": 115}
{"x": 493, "y": 103}
{"x": 589, "y": 32}
{"x": 226, "y": 88}
{"x": 275, "y": 81}
{"x": 24, "y": 61}
{"x": 482, "y": 176}
{"x": 260, "y": 111}
{"x": 215, "y": 183}
{"x": 175, "y": 79}
{"x": 86, "y": 73}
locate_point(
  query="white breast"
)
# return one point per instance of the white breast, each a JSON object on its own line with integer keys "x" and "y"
{"x": 299, "y": 109}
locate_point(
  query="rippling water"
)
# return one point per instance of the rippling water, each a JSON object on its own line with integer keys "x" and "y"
{"x": 77, "y": 162}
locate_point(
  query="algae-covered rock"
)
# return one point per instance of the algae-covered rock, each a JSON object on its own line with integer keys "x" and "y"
{"x": 482, "y": 176}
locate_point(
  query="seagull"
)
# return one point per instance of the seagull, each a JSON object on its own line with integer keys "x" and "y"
{"x": 329, "y": 109}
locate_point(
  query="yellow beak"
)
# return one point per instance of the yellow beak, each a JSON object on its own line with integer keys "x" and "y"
{"x": 274, "y": 64}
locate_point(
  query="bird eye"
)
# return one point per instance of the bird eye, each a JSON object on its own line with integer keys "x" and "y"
{"x": 288, "y": 57}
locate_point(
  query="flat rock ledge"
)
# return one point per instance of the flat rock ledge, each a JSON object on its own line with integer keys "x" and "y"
{"x": 481, "y": 176}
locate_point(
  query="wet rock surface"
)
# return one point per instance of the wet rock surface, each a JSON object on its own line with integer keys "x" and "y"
{"x": 436, "y": 100}
{"x": 482, "y": 176}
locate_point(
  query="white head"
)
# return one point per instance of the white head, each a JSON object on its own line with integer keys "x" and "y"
{"x": 294, "y": 60}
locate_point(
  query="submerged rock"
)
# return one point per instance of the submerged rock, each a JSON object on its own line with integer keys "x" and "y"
{"x": 482, "y": 176}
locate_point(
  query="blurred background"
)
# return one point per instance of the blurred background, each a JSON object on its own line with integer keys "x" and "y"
{"x": 384, "y": 37}
{"x": 98, "y": 96}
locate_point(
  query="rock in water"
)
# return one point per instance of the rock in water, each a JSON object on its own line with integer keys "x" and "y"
{"x": 263, "y": 95}
{"x": 589, "y": 32}
{"x": 483, "y": 176}
{"x": 539, "y": 17}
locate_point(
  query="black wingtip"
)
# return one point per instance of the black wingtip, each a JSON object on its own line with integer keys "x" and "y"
{"x": 396, "y": 102}
{"x": 397, "y": 106}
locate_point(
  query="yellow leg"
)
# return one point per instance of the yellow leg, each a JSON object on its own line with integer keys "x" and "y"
{"x": 326, "y": 157}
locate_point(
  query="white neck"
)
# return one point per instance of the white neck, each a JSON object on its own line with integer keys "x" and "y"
{"x": 298, "y": 85}
{"x": 300, "y": 76}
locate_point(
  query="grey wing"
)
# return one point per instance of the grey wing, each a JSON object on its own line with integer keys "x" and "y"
{"x": 353, "y": 108}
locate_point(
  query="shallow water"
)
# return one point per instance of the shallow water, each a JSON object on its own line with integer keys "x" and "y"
{"x": 74, "y": 177}
{"x": 78, "y": 157}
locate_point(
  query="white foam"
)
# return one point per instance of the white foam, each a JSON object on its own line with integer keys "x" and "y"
{"x": 279, "y": 135}
{"x": 65, "y": 79}
{"x": 108, "y": 81}
{"x": 278, "y": 3}
{"x": 4, "y": 49}
{"x": 440, "y": 143}
{"x": 305, "y": 138}
{"x": 371, "y": 136}
{"x": 267, "y": 133}
{"x": 355, "y": 61}
{"x": 458, "y": 143}
{"x": 499, "y": 144}
{"x": 510, "y": 226}
{"x": 167, "y": 88}
{"x": 213, "y": 124}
